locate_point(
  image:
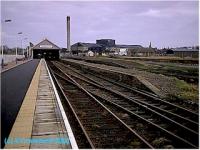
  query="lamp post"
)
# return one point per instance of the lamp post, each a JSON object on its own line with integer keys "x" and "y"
{"x": 2, "y": 61}
{"x": 68, "y": 34}
{"x": 25, "y": 46}
{"x": 20, "y": 33}
{"x": 16, "y": 54}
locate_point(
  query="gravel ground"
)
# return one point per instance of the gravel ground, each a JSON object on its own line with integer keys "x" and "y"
{"x": 166, "y": 85}
{"x": 169, "y": 86}
{"x": 163, "y": 83}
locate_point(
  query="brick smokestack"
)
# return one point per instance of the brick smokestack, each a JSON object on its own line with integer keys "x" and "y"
{"x": 68, "y": 34}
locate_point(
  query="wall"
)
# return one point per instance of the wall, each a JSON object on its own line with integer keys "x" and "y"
{"x": 90, "y": 53}
{"x": 79, "y": 48}
{"x": 144, "y": 52}
{"x": 192, "y": 54}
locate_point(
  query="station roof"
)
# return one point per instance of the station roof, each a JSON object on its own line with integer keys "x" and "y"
{"x": 46, "y": 44}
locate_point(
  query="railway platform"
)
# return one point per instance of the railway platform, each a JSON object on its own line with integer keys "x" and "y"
{"x": 102, "y": 113}
{"x": 13, "y": 64}
{"x": 41, "y": 121}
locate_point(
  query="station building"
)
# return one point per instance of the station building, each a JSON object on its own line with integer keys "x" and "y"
{"x": 46, "y": 49}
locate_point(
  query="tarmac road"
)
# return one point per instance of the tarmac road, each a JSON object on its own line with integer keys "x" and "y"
{"x": 14, "y": 84}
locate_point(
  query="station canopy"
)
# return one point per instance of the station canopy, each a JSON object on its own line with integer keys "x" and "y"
{"x": 46, "y": 44}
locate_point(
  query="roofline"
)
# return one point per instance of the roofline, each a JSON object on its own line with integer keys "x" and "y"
{"x": 86, "y": 43}
{"x": 105, "y": 39}
{"x": 126, "y": 45}
{"x": 48, "y": 41}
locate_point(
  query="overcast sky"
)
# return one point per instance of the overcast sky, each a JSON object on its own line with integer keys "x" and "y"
{"x": 165, "y": 24}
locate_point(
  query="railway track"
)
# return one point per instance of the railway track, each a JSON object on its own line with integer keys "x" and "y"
{"x": 176, "y": 112}
{"x": 128, "y": 65}
{"x": 189, "y": 105}
{"x": 168, "y": 126}
{"x": 168, "y": 109}
{"x": 101, "y": 127}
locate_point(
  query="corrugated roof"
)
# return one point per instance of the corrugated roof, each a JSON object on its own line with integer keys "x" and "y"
{"x": 184, "y": 50}
{"x": 143, "y": 50}
{"x": 128, "y": 46}
{"x": 86, "y": 44}
{"x": 105, "y": 39}
{"x": 46, "y": 44}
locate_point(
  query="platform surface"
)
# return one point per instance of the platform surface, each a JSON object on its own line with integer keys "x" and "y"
{"x": 14, "y": 85}
{"x": 39, "y": 119}
{"x": 13, "y": 64}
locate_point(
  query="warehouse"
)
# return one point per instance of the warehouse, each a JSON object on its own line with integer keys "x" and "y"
{"x": 106, "y": 43}
{"x": 86, "y": 49}
{"x": 125, "y": 50}
{"x": 186, "y": 52}
{"x": 142, "y": 52}
{"x": 46, "y": 49}
{"x": 108, "y": 47}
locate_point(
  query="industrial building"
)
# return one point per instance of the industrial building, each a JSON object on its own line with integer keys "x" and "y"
{"x": 85, "y": 49}
{"x": 191, "y": 52}
{"x": 108, "y": 47}
{"x": 133, "y": 50}
{"x": 125, "y": 49}
{"x": 46, "y": 49}
{"x": 138, "y": 50}
{"x": 186, "y": 52}
{"x": 143, "y": 52}
{"x": 106, "y": 42}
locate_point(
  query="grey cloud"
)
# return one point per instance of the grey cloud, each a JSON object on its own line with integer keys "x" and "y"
{"x": 132, "y": 22}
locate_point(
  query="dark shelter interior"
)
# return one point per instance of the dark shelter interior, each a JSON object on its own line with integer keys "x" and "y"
{"x": 48, "y": 54}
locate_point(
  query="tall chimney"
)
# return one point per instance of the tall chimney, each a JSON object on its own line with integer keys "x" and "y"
{"x": 68, "y": 34}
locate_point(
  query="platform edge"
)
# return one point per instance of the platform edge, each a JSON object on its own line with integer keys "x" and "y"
{"x": 66, "y": 122}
